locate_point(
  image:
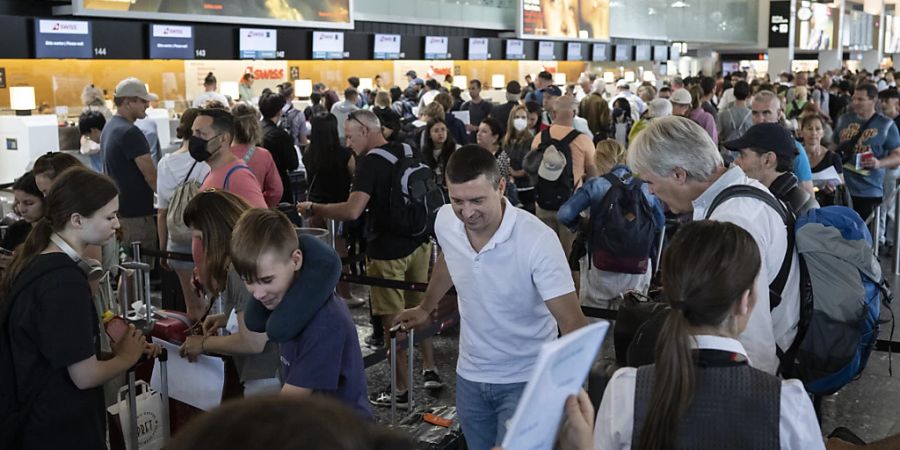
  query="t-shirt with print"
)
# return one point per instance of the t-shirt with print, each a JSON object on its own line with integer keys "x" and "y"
{"x": 120, "y": 143}
{"x": 249, "y": 367}
{"x": 582, "y": 149}
{"x": 325, "y": 358}
{"x": 374, "y": 177}
{"x": 880, "y": 137}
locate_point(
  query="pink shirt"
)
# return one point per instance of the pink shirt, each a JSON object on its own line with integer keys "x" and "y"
{"x": 263, "y": 167}
{"x": 707, "y": 121}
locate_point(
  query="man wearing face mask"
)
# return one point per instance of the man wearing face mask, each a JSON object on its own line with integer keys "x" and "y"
{"x": 213, "y": 131}
{"x": 126, "y": 159}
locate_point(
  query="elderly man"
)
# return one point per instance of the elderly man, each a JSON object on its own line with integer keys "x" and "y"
{"x": 683, "y": 167}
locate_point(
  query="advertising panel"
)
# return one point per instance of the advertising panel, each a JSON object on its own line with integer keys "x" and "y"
{"x": 564, "y": 19}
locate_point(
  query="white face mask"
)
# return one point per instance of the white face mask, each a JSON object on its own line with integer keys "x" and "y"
{"x": 520, "y": 124}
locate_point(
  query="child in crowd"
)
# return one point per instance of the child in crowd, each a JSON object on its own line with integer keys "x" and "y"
{"x": 212, "y": 216}
{"x": 49, "y": 327}
{"x": 30, "y": 208}
{"x": 293, "y": 283}
{"x": 597, "y": 287}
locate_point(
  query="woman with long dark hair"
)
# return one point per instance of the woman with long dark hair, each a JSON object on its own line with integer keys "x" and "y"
{"x": 49, "y": 327}
{"x": 439, "y": 145}
{"x": 702, "y": 391}
{"x": 329, "y": 169}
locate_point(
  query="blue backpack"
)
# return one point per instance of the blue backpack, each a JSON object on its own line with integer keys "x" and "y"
{"x": 622, "y": 230}
{"x": 841, "y": 291}
{"x": 841, "y": 325}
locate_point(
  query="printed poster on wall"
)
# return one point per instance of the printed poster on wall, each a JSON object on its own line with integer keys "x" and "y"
{"x": 555, "y": 19}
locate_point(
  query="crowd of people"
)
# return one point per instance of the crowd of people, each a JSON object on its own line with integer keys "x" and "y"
{"x": 555, "y": 199}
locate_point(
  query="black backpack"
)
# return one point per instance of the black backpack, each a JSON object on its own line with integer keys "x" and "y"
{"x": 551, "y": 195}
{"x": 622, "y": 231}
{"x": 415, "y": 196}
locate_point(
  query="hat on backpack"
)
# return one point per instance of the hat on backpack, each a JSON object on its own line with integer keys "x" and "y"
{"x": 552, "y": 164}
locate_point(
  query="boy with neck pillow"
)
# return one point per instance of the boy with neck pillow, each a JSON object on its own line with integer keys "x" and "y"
{"x": 293, "y": 282}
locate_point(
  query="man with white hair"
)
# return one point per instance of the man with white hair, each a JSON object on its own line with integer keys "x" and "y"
{"x": 684, "y": 169}
{"x": 766, "y": 108}
{"x": 586, "y": 82}
{"x": 658, "y": 107}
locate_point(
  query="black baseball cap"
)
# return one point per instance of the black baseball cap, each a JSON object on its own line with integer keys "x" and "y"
{"x": 770, "y": 137}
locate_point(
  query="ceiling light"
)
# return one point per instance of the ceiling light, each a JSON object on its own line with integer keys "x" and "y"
{"x": 680, "y": 4}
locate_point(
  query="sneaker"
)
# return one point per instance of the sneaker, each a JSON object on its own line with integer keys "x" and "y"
{"x": 383, "y": 398}
{"x": 352, "y": 302}
{"x": 432, "y": 379}
{"x": 375, "y": 340}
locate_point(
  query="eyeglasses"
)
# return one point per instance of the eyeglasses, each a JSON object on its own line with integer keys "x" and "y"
{"x": 352, "y": 116}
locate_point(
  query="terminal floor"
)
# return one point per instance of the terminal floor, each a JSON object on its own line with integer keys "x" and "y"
{"x": 869, "y": 406}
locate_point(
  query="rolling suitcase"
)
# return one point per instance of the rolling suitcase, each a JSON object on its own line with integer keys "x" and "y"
{"x": 432, "y": 428}
{"x": 170, "y": 326}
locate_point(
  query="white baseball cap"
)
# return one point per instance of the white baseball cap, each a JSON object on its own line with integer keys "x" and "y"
{"x": 552, "y": 164}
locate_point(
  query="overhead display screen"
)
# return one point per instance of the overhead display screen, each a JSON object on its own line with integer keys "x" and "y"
{"x": 573, "y": 51}
{"x": 256, "y": 43}
{"x": 63, "y": 39}
{"x": 642, "y": 52}
{"x": 436, "y": 47}
{"x": 600, "y": 52}
{"x": 660, "y": 52}
{"x": 623, "y": 52}
{"x": 515, "y": 49}
{"x": 292, "y": 13}
{"x": 546, "y": 51}
{"x": 582, "y": 19}
{"x": 478, "y": 48}
{"x": 328, "y": 45}
{"x": 171, "y": 42}
{"x": 387, "y": 46}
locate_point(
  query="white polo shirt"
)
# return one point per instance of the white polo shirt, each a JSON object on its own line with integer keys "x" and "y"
{"x": 501, "y": 291}
{"x": 765, "y": 328}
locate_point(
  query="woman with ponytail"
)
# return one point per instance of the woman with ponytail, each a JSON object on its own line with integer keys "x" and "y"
{"x": 49, "y": 328}
{"x": 701, "y": 392}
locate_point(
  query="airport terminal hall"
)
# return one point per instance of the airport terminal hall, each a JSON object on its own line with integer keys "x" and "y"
{"x": 449, "y": 224}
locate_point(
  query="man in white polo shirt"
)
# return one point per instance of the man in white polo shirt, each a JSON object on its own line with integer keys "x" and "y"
{"x": 515, "y": 293}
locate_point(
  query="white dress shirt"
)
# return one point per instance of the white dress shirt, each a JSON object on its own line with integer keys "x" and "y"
{"x": 798, "y": 427}
{"x": 766, "y": 328}
{"x": 501, "y": 291}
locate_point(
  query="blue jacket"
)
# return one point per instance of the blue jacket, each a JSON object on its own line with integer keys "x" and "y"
{"x": 591, "y": 195}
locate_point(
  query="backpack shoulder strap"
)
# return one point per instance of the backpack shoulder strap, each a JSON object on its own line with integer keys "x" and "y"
{"x": 744, "y": 190}
{"x": 545, "y": 136}
{"x": 231, "y": 171}
{"x": 407, "y": 150}
{"x": 776, "y": 287}
{"x": 386, "y": 154}
{"x": 249, "y": 155}
{"x": 613, "y": 180}
{"x": 191, "y": 170}
{"x": 570, "y": 137}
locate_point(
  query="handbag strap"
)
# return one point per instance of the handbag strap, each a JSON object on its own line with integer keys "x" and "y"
{"x": 191, "y": 170}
